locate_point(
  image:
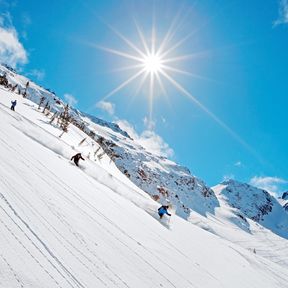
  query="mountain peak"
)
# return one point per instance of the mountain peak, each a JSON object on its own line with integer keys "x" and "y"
{"x": 255, "y": 203}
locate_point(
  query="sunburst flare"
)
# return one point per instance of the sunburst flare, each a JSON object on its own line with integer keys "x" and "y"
{"x": 152, "y": 63}
{"x": 155, "y": 66}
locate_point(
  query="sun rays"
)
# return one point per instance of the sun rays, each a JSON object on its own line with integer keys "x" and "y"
{"x": 156, "y": 65}
{"x": 155, "y": 62}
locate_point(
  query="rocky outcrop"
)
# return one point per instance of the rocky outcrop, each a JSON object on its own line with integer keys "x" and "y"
{"x": 254, "y": 203}
{"x": 285, "y": 196}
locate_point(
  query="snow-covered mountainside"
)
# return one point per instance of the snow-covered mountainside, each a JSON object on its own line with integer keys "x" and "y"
{"x": 232, "y": 220}
{"x": 256, "y": 204}
{"x": 63, "y": 226}
{"x": 159, "y": 177}
{"x": 36, "y": 92}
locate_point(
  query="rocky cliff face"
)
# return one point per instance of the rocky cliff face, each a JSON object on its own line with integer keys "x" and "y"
{"x": 285, "y": 196}
{"x": 162, "y": 179}
{"x": 284, "y": 201}
{"x": 253, "y": 202}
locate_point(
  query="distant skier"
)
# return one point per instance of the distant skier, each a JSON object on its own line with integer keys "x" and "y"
{"x": 13, "y": 104}
{"x": 163, "y": 210}
{"x": 76, "y": 158}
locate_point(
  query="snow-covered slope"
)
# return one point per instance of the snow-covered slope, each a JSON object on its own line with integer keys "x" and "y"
{"x": 156, "y": 175}
{"x": 159, "y": 177}
{"x": 61, "y": 226}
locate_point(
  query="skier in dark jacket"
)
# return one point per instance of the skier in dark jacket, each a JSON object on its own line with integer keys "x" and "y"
{"x": 13, "y": 105}
{"x": 163, "y": 210}
{"x": 76, "y": 158}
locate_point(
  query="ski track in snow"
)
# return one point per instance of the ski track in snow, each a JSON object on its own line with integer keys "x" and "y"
{"x": 94, "y": 219}
{"x": 21, "y": 284}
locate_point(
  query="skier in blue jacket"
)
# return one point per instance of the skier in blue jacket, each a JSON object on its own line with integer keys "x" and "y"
{"x": 163, "y": 210}
{"x": 13, "y": 104}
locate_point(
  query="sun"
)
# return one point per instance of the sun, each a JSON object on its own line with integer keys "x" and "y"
{"x": 152, "y": 63}
{"x": 156, "y": 64}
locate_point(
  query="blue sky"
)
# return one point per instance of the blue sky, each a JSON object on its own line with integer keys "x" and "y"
{"x": 240, "y": 67}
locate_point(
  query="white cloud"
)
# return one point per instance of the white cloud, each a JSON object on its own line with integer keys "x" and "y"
{"x": 106, "y": 106}
{"x": 12, "y": 51}
{"x": 270, "y": 184}
{"x": 38, "y": 74}
{"x": 155, "y": 144}
{"x": 149, "y": 124}
{"x": 126, "y": 126}
{"x": 238, "y": 164}
{"x": 72, "y": 101}
{"x": 283, "y": 13}
{"x": 151, "y": 141}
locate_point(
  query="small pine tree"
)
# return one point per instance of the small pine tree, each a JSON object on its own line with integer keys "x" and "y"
{"x": 41, "y": 102}
{"x": 53, "y": 117}
{"x": 46, "y": 107}
{"x": 95, "y": 153}
{"x": 59, "y": 119}
{"x": 4, "y": 80}
{"x": 100, "y": 156}
{"x": 65, "y": 120}
{"x": 14, "y": 88}
{"x": 25, "y": 91}
{"x": 92, "y": 134}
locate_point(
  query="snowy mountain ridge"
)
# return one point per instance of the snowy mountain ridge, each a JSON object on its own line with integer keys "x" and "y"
{"x": 36, "y": 92}
{"x": 159, "y": 177}
{"x": 253, "y": 202}
{"x": 93, "y": 227}
{"x": 256, "y": 204}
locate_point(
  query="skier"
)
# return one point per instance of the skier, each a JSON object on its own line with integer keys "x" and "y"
{"x": 163, "y": 210}
{"x": 76, "y": 158}
{"x": 13, "y": 105}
